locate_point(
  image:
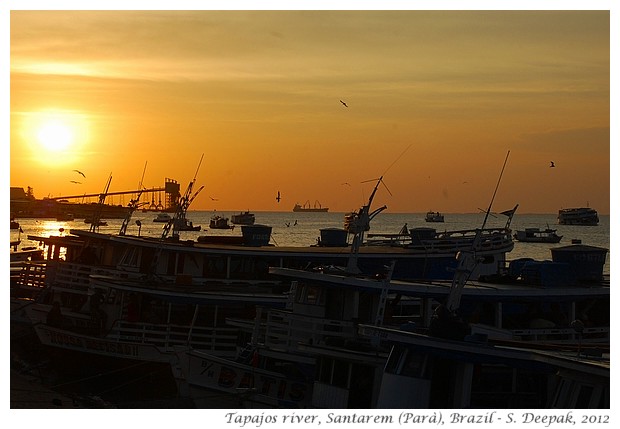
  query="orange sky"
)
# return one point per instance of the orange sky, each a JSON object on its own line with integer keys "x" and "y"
{"x": 258, "y": 92}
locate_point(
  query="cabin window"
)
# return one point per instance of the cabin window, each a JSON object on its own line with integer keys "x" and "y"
{"x": 309, "y": 294}
{"x": 130, "y": 257}
{"x": 180, "y": 263}
{"x": 333, "y": 372}
{"x": 584, "y": 396}
{"x": 214, "y": 267}
{"x": 405, "y": 362}
{"x": 365, "y": 312}
{"x": 170, "y": 270}
{"x": 147, "y": 260}
{"x": 313, "y": 295}
{"x": 241, "y": 268}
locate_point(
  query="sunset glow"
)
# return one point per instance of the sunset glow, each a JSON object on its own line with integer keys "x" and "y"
{"x": 259, "y": 94}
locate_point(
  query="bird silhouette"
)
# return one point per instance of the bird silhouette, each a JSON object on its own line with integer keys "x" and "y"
{"x": 552, "y": 164}
{"x": 343, "y": 103}
{"x": 278, "y": 197}
{"x": 79, "y": 172}
{"x": 77, "y": 183}
{"x": 212, "y": 199}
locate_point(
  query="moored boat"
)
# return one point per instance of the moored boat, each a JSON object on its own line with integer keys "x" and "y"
{"x": 219, "y": 222}
{"x": 536, "y": 235}
{"x": 162, "y": 217}
{"x": 243, "y": 218}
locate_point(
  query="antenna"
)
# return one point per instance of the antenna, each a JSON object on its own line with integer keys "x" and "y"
{"x": 396, "y": 160}
{"x": 486, "y": 216}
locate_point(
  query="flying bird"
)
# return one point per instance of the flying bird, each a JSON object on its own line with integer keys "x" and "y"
{"x": 212, "y": 199}
{"x": 346, "y": 183}
{"x": 552, "y": 164}
{"x": 79, "y": 172}
{"x": 343, "y": 103}
{"x": 77, "y": 183}
{"x": 278, "y": 197}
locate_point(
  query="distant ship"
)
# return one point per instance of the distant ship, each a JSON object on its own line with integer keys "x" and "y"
{"x": 578, "y": 216}
{"x": 306, "y": 207}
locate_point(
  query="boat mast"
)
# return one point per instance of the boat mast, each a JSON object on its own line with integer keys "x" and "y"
{"x": 467, "y": 260}
{"x": 94, "y": 226}
{"x": 359, "y": 225}
{"x": 133, "y": 204}
{"x": 182, "y": 206}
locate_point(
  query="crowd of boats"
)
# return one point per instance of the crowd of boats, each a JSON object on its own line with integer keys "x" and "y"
{"x": 411, "y": 319}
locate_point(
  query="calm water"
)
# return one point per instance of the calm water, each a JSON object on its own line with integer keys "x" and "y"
{"x": 300, "y": 229}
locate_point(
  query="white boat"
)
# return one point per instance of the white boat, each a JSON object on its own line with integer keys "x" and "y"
{"x": 243, "y": 218}
{"x": 162, "y": 217}
{"x": 578, "y": 216}
{"x": 536, "y": 235}
{"x": 434, "y": 217}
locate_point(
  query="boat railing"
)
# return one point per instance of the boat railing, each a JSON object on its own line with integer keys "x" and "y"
{"x": 285, "y": 330}
{"x": 560, "y": 335}
{"x": 31, "y": 278}
{"x": 220, "y": 341}
{"x": 451, "y": 241}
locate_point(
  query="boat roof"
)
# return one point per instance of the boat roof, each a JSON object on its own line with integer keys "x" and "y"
{"x": 440, "y": 289}
{"x": 477, "y": 351}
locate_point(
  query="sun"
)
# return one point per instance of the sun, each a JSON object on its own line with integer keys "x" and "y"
{"x": 55, "y": 135}
{"x": 56, "y": 138}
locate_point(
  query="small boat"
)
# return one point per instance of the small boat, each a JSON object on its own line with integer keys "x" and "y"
{"x": 244, "y": 218}
{"x": 89, "y": 221}
{"x": 185, "y": 225}
{"x": 536, "y": 235}
{"x": 162, "y": 217}
{"x": 65, "y": 217}
{"x": 578, "y": 216}
{"x": 434, "y": 217}
{"x": 219, "y": 222}
{"x": 312, "y": 209}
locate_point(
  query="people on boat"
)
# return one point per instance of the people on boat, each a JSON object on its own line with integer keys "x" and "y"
{"x": 54, "y": 316}
{"x": 133, "y": 309}
{"x": 97, "y": 315}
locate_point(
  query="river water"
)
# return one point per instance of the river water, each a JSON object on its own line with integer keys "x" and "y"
{"x": 302, "y": 229}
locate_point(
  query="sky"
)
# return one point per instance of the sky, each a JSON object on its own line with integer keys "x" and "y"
{"x": 436, "y": 101}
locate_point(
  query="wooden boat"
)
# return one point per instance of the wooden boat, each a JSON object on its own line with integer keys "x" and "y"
{"x": 578, "y": 216}
{"x": 426, "y": 372}
{"x": 317, "y": 332}
{"x": 434, "y": 217}
{"x": 536, "y": 235}
{"x": 219, "y": 222}
{"x": 243, "y": 218}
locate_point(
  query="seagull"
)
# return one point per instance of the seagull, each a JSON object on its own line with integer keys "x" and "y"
{"x": 346, "y": 183}
{"x": 77, "y": 183}
{"x": 552, "y": 164}
{"x": 212, "y": 199}
{"x": 278, "y": 197}
{"x": 79, "y": 172}
{"x": 343, "y": 103}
